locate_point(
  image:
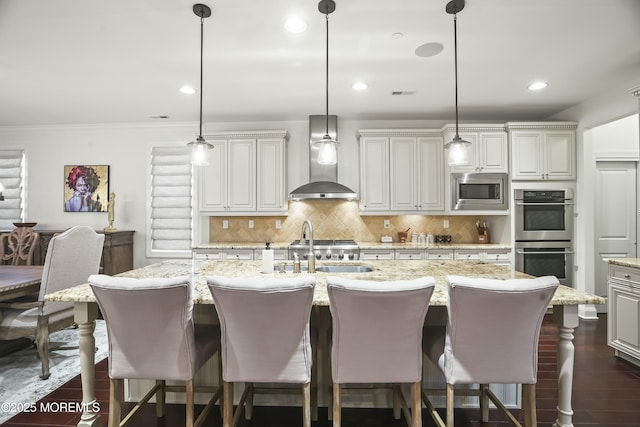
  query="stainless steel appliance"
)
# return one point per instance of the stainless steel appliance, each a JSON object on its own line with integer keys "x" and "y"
{"x": 326, "y": 249}
{"x": 544, "y": 215}
{"x": 479, "y": 191}
{"x": 546, "y": 258}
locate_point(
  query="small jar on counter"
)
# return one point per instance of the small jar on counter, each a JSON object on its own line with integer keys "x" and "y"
{"x": 422, "y": 238}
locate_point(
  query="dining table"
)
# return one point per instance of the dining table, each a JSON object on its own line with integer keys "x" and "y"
{"x": 19, "y": 280}
{"x": 564, "y": 304}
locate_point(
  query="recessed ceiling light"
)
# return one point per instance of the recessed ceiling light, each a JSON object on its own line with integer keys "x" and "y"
{"x": 397, "y": 35}
{"x": 188, "y": 90}
{"x": 359, "y": 86}
{"x": 537, "y": 85}
{"x": 295, "y": 25}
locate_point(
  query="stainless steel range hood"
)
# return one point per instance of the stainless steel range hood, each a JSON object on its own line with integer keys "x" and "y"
{"x": 323, "y": 179}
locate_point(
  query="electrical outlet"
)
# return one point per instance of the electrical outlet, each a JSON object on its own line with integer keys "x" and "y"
{"x": 387, "y": 224}
{"x": 278, "y": 224}
{"x": 250, "y": 223}
{"x": 225, "y": 224}
{"x": 446, "y": 223}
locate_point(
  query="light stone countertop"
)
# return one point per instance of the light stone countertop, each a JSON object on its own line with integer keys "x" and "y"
{"x": 625, "y": 262}
{"x": 363, "y": 245}
{"x": 382, "y": 270}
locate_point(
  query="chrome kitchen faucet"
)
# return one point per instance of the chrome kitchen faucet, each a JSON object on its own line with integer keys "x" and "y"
{"x": 310, "y": 257}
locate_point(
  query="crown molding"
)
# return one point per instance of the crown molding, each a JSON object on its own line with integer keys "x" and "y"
{"x": 541, "y": 125}
{"x": 399, "y": 133}
{"x": 247, "y": 134}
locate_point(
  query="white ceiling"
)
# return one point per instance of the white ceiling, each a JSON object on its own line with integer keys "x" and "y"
{"x": 119, "y": 61}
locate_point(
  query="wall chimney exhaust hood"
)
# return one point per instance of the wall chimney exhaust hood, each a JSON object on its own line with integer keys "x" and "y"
{"x": 323, "y": 179}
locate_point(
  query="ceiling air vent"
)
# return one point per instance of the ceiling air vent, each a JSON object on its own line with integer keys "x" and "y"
{"x": 403, "y": 92}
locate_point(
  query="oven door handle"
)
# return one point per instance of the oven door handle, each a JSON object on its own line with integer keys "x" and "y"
{"x": 543, "y": 203}
{"x": 520, "y": 252}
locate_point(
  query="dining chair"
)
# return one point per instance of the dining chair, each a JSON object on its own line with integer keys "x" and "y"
{"x": 377, "y": 336}
{"x": 265, "y": 338}
{"x": 18, "y": 245}
{"x": 491, "y": 337}
{"x": 71, "y": 258}
{"x": 152, "y": 336}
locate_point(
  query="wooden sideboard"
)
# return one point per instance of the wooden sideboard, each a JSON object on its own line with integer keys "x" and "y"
{"x": 117, "y": 254}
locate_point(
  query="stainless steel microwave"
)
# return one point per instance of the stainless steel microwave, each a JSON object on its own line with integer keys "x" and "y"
{"x": 479, "y": 191}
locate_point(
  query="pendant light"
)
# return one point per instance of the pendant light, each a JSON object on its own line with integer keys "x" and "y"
{"x": 200, "y": 147}
{"x": 328, "y": 153}
{"x": 458, "y": 147}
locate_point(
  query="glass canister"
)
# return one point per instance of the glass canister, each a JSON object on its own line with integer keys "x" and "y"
{"x": 422, "y": 238}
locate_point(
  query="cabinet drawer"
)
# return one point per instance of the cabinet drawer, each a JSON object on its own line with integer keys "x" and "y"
{"x": 407, "y": 255}
{"x": 435, "y": 255}
{"x": 278, "y": 254}
{"x": 498, "y": 257}
{"x": 241, "y": 254}
{"x": 467, "y": 255}
{"x": 375, "y": 255}
{"x": 207, "y": 254}
{"x": 629, "y": 276}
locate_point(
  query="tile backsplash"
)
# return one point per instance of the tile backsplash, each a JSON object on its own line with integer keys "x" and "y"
{"x": 337, "y": 220}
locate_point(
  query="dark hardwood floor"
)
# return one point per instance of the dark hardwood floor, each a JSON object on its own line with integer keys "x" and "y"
{"x": 606, "y": 392}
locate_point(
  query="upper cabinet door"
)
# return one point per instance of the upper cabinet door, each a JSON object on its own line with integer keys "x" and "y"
{"x": 271, "y": 185}
{"x": 472, "y": 153}
{"x": 403, "y": 163}
{"x": 374, "y": 174}
{"x": 212, "y": 183}
{"x": 527, "y": 155}
{"x": 242, "y": 174}
{"x": 559, "y": 149}
{"x": 493, "y": 152}
{"x": 431, "y": 174}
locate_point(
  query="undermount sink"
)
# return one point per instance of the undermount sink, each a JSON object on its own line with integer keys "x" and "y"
{"x": 344, "y": 268}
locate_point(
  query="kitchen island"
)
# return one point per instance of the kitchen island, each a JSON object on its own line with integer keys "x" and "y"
{"x": 565, "y": 306}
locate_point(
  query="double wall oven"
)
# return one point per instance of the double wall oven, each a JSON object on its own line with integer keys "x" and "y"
{"x": 544, "y": 233}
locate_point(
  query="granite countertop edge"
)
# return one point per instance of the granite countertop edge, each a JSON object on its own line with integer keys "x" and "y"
{"x": 363, "y": 245}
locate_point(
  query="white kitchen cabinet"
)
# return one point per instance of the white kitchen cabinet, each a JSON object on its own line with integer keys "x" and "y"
{"x": 401, "y": 171}
{"x": 543, "y": 151}
{"x": 278, "y": 254}
{"x": 377, "y": 254}
{"x": 374, "y": 174}
{"x": 489, "y": 151}
{"x": 493, "y": 256}
{"x": 623, "y": 319}
{"x": 439, "y": 254}
{"x": 223, "y": 254}
{"x": 246, "y": 173}
{"x": 410, "y": 254}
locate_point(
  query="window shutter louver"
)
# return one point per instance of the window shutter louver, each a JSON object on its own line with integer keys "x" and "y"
{"x": 11, "y": 177}
{"x": 171, "y": 199}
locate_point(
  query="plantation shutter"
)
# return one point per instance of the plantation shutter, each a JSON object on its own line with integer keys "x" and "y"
{"x": 12, "y": 179}
{"x": 170, "y": 199}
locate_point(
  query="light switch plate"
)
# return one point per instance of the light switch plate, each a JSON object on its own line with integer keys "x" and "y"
{"x": 278, "y": 224}
{"x": 250, "y": 223}
{"x": 387, "y": 224}
{"x": 225, "y": 224}
{"x": 446, "y": 223}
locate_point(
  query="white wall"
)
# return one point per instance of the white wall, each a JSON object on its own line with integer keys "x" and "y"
{"x": 126, "y": 148}
{"x": 616, "y": 104}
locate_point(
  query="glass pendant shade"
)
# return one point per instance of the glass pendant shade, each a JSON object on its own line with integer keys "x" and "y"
{"x": 328, "y": 154}
{"x": 458, "y": 152}
{"x": 200, "y": 152}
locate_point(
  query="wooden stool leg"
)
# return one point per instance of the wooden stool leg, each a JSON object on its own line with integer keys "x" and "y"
{"x": 397, "y": 404}
{"x": 160, "y": 398}
{"x": 306, "y": 405}
{"x": 484, "y": 403}
{"x": 248, "y": 404}
{"x": 227, "y": 406}
{"x": 337, "y": 405}
{"x": 189, "y": 403}
{"x": 450, "y": 402}
{"x": 116, "y": 396}
{"x": 416, "y": 404}
{"x": 529, "y": 405}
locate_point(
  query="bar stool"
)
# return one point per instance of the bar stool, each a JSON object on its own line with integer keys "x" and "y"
{"x": 152, "y": 335}
{"x": 491, "y": 337}
{"x": 376, "y": 338}
{"x": 265, "y": 338}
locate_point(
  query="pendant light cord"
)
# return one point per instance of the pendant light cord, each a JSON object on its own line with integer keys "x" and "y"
{"x": 326, "y": 116}
{"x": 455, "y": 61}
{"x": 201, "y": 74}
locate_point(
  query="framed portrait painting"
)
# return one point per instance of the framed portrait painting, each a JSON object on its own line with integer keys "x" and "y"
{"x": 86, "y": 188}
